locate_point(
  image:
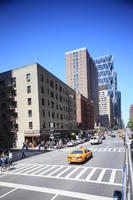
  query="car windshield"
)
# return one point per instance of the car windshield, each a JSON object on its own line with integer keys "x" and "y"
{"x": 77, "y": 152}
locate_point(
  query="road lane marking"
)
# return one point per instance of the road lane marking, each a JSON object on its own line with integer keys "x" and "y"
{"x": 33, "y": 169}
{"x": 99, "y": 149}
{"x": 63, "y": 172}
{"x": 8, "y": 193}
{"x": 55, "y": 171}
{"x": 26, "y": 169}
{"x": 21, "y": 167}
{"x": 90, "y": 174}
{"x": 54, "y": 197}
{"x": 109, "y": 149}
{"x": 94, "y": 149}
{"x": 114, "y": 149}
{"x": 72, "y": 172}
{"x": 65, "y": 193}
{"x": 101, "y": 175}
{"x": 112, "y": 177}
{"x": 104, "y": 149}
{"x": 51, "y": 167}
{"x": 39, "y": 170}
{"x": 81, "y": 173}
{"x": 66, "y": 176}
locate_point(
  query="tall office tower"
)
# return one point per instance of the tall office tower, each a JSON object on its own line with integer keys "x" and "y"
{"x": 107, "y": 77}
{"x": 81, "y": 75}
{"x": 131, "y": 111}
{"x": 105, "y": 109}
{"x": 117, "y": 109}
{"x": 33, "y": 104}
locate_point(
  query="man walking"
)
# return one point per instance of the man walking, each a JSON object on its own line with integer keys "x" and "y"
{"x": 22, "y": 151}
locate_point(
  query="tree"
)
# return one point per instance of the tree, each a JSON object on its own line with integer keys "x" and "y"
{"x": 130, "y": 123}
{"x": 115, "y": 128}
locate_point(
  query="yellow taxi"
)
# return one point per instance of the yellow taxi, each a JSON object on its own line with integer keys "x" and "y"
{"x": 79, "y": 155}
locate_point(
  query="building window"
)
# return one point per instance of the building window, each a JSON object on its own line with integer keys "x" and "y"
{"x": 47, "y": 91}
{"x": 28, "y": 89}
{"x": 44, "y": 126}
{"x": 43, "y": 101}
{"x": 60, "y": 89}
{"x": 52, "y": 104}
{"x": 41, "y": 77}
{"x": 56, "y": 86}
{"x": 61, "y": 98}
{"x": 16, "y": 127}
{"x": 13, "y": 80}
{"x": 15, "y": 104}
{"x": 52, "y": 94}
{"x": 30, "y": 125}
{"x": 56, "y": 96}
{"x": 49, "y": 113}
{"x": 29, "y": 101}
{"x": 42, "y": 90}
{"x": 29, "y": 113}
{"x": 56, "y": 106}
{"x": 43, "y": 113}
{"x": 28, "y": 77}
{"x": 60, "y": 106}
{"x": 61, "y": 116}
{"x": 53, "y": 115}
{"x": 51, "y": 84}
{"x": 47, "y": 81}
{"x": 48, "y": 102}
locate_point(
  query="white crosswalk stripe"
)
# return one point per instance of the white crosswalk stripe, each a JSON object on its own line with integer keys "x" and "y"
{"x": 101, "y": 175}
{"x": 113, "y": 149}
{"x": 90, "y": 174}
{"x": 75, "y": 173}
{"x": 112, "y": 177}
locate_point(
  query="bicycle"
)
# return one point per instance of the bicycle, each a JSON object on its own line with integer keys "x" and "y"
{"x": 6, "y": 166}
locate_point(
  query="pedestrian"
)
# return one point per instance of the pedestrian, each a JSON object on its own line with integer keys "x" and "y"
{"x": 10, "y": 156}
{"x": 39, "y": 146}
{"x": 22, "y": 151}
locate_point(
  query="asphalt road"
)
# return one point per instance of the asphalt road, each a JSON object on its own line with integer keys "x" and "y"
{"x": 48, "y": 176}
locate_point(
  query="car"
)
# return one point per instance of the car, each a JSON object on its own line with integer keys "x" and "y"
{"x": 113, "y": 135}
{"x": 79, "y": 155}
{"x": 96, "y": 140}
{"x": 70, "y": 143}
{"x": 103, "y": 137}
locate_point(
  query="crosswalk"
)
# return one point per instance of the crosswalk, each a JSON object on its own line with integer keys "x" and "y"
{"x": 97, "y": 149}
{"x": 98, "y": 175}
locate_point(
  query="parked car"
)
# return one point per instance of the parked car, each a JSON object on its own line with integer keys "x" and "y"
{"x": 96, "y": 140}
{"x": 70, "y": 143}
{"x": 79, "y": 155}
{"x": 103, "y": 137}
{"x": 113, "y": 135}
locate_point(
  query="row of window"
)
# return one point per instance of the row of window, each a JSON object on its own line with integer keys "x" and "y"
{"x": 55, "y": 125}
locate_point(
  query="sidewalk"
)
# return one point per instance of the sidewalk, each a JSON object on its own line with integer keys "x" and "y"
{"x": 30, "y": 152}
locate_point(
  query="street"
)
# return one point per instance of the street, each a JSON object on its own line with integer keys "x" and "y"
{"x": 49, "y": 176}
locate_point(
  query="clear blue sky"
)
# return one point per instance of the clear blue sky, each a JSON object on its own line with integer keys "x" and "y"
{"x": 42, "y": 31}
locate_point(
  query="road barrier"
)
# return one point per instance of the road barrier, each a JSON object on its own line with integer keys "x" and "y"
{"x": 127, "y": 188}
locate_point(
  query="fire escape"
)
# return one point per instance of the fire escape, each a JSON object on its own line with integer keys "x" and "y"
{"x": 8, "y": 113}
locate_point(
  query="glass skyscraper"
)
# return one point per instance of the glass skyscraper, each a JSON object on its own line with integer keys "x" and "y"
{"x": 107, "y": 77}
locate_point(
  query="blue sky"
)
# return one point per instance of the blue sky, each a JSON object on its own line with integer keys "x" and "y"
{"x": 42, "y": 31}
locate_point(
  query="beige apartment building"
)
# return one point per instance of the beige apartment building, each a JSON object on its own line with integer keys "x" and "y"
{"x": 105, "y": 109}
{"x": 81, "y": 75}
{"x": 34, "y": 103}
